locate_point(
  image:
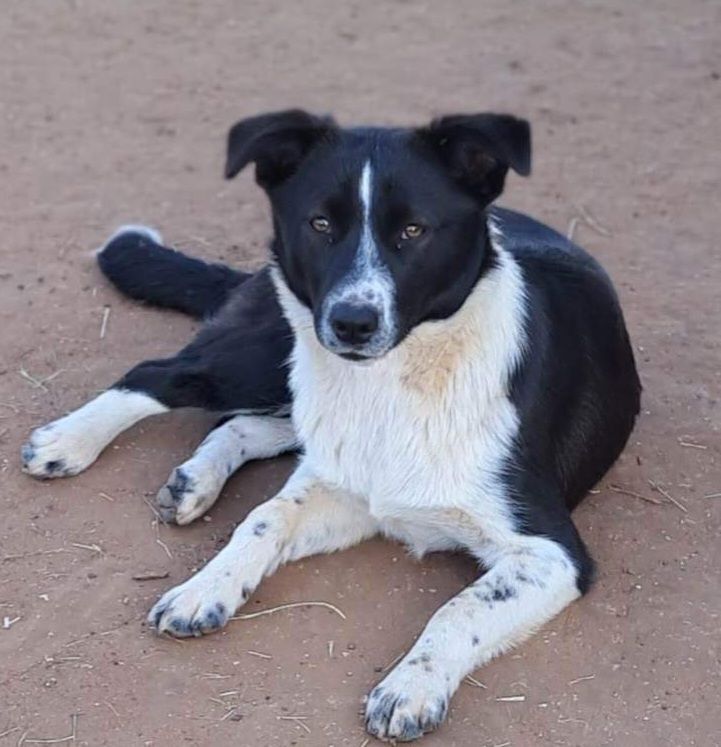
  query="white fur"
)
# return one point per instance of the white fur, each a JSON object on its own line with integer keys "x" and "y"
{"x": 423, "y": 431}
{"x": 195, "y": 485}
{"x": 72, "y": 443}
{"x": 147, "y": 231}
{"x": 369, "y": 282}
{"x": 411, "y": 445}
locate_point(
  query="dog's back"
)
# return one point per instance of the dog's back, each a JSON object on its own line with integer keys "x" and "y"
{"x": 579, "y": 347}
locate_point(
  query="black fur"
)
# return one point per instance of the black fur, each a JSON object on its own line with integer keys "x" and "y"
{"x": 142, "y": 269}
{"x": 577, "y": 389}
{"x": 237, "y": 362}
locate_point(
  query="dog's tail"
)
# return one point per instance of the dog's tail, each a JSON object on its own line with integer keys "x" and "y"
{"x": 136, "y": 262}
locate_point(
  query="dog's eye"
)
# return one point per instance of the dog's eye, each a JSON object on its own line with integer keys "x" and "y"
{"x": 412, "y": 231}
{"x": 320, "y": 224}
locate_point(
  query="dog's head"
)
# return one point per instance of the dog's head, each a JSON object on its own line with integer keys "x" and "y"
{"x": 377, "y": 230}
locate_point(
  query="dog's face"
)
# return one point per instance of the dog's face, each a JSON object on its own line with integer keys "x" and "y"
{"x": 377, "y": 230}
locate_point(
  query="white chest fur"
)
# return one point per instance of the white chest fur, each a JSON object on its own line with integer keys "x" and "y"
{"x": 422, "y": 433}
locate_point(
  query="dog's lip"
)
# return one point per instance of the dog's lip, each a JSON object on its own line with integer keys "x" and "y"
{"x": 361, "y": 354}
{"x": 356, "y": 357}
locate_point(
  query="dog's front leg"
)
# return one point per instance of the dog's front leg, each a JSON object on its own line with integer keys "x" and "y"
{"x": 525, "y": 588}
{"x": 194, "y": 486}
{"x": 307, "y": 517}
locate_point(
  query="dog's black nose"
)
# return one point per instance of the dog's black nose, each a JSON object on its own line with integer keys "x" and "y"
{"x": 353, "y": 324}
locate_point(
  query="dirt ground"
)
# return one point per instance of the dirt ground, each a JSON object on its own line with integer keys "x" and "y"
{"x": 116, "y": 112}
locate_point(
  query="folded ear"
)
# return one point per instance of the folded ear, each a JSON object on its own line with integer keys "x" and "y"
{"x": 275, "y": 142}
{"x": 478, "y": 149}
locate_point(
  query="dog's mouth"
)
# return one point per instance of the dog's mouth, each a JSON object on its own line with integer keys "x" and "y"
{"x": 373, "y": 350}
{"x": 359, "y": 358}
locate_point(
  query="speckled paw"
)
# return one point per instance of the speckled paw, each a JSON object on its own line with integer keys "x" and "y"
{"x": 406, "y": 705}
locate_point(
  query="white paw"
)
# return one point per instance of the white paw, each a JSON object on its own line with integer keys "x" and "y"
{"x": 410, "y": 702}
{"x": 188, "y": 493}
{"x": 60, "y": 449}
{"x": 201, "y": 605}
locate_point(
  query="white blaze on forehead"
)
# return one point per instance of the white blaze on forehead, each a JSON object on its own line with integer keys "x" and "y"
{"x": 366, "y": 191}
{"x": 367, "y": 251}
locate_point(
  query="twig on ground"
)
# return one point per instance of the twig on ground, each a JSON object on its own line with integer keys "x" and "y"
{"x": 713, "y": 495}
{"x": 473, "y": 681}
{"x": 70, "y": 738}
{"x": 259, "y": 654}
{"x": 165, "y": 547}
{"x": 300, "y": 720}
{"x": 156, "y": 528}
{"x": 572, "y": 228}
{"x": 39, "y": 383}
{"x": 152, "y": 508}
{"x": 53, "y": 660}
{"x": 292, "y": 605}
{"x": 91, "y": 548}
{"x": 591, "y": 222}
{"x": 201, "y": 240}
{"x": 623, "y": 491}
{"x": 112, "y": 708}
{"x": 691, "y": 445}
{"x": 21, "y": 556}
{"x": 53, "y": 375}
{"x": 35, "y": 382}
{"x": 582, "y": 679}
{"x": 104, "y": 322}
{"x": 668, "y": 496}
{"x": 150, "y": 575}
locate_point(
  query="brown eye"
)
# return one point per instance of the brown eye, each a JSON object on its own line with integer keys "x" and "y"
{"x": 412, "y": 231}
{"x": 320, "y": 224}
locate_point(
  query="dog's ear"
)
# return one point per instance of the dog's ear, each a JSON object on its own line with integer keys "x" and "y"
{"x": 478, "y": 149}
{"x": 276, "y": 142}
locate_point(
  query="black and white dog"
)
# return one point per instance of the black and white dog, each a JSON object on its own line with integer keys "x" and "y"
{"x": 458, "y": 377}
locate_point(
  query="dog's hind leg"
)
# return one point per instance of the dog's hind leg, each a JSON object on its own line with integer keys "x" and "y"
{"x": 195, "y": 485}
{"x": 72, "y": 443}
{"x": 237, "y": 362}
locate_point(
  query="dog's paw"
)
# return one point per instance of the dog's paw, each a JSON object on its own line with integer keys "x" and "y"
{"x": 188, "y": 494}
{"x": 59, "y": 449}
{"x": 410, "y": 702}
{"x": 201, "y": 605}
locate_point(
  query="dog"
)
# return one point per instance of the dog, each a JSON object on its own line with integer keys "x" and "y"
{"x": 455, "y": 376}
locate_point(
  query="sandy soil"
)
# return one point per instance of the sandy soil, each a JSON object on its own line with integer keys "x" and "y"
{"x": 115, "y": 112}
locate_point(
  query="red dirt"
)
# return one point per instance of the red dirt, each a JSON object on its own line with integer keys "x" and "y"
{"x": 116, "y": 112}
